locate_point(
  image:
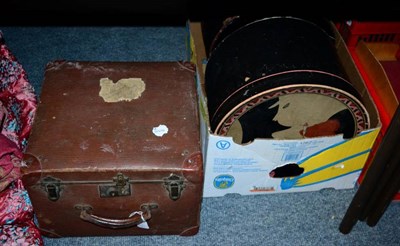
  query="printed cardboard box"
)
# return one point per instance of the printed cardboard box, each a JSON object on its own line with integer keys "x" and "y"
{"x": 328, "y": 162}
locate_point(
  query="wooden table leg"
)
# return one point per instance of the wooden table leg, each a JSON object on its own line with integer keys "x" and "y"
{"x": 373, "y": 177}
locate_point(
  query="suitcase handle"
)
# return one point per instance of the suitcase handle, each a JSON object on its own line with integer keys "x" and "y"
{"x": 133, "y": 220}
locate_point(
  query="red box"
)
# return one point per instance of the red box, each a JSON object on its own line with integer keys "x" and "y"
{"x": 374, "y": 47}
{"x": 384, "y": 31}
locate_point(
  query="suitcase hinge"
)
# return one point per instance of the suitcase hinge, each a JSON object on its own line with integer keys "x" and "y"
{"x": 174, "y": 185}
{"x": 52, "y": 187}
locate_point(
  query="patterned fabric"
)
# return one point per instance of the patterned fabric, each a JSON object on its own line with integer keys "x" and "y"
{"x": 10, "y": 162}
{"x": 17, "y": 226}
{"x": 17, "y": 109}
{"x": 17, "y": 98}
{"x": 3, "y": 113}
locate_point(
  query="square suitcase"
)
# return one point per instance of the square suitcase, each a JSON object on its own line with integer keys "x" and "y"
{"x": 115, "y": 150}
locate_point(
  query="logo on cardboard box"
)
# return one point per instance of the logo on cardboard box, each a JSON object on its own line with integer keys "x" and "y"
{"x": 224, "y": 181}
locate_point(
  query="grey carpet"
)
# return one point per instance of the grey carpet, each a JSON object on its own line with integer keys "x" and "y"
{"x": 307, "y": 218}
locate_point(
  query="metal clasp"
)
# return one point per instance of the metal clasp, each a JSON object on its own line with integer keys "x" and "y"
{"x": 121, "y": 187}
{"x": 174, "y": 185}
{"x": 52, "y": 187}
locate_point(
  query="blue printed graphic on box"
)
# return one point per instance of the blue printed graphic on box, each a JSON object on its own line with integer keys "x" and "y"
{"x": 223, "y": 145}
{"x": 224, "y": 181}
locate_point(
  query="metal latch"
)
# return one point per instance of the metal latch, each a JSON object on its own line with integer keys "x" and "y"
{"x": 52, "y": 187}
{"x": 174, "y": 185}
{"x": 120, "y": 187}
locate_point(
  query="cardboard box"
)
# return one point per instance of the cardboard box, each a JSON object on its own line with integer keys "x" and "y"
{"x": 369, "y": 58}
{"x": 328, "y": 162}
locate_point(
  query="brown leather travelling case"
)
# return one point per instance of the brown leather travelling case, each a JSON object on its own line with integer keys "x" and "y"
{"x": 115, "y": 150}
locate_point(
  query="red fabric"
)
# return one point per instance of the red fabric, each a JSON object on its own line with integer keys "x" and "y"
{"x": 17, "y": 226}
{"x": 17, "y": 110}
{"x": 17, "y": 97}
{"x": 10, "y": 162}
